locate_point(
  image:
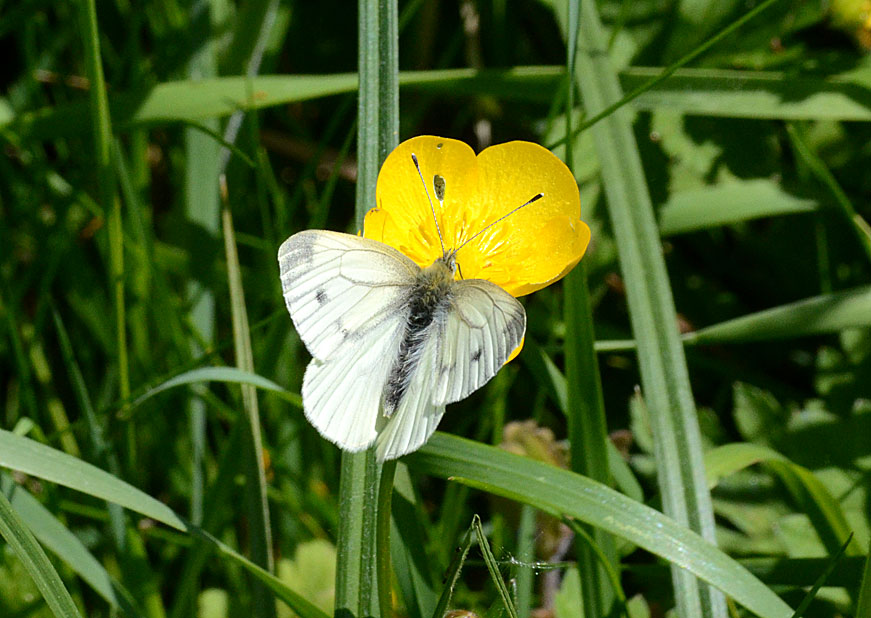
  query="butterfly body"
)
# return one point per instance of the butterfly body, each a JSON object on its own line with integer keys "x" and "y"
{"x": 391, "y": 343}
{"x": 428, "y": 303}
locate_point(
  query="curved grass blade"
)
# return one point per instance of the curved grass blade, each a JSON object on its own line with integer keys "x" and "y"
{"x": 220, "y": 374}
{"x": 821, "y": 580}
{"x": 31, "y": 555}
{"x": 563, "y": 493}
{"x": 453, "y": 574}
{"x": 818, "y": 315}
{"x": 668, "y": 71}
{"x": 827, "y": 313}
{"x": 844, "y": 206}
{"x": 493, "y": 567}
{"x": 36, "y": 459}
{"x": 257, "y": 507}
{"x": 65, "y": 545}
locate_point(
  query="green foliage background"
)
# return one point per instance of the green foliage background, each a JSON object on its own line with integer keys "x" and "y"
{"x": 755, "y": 157}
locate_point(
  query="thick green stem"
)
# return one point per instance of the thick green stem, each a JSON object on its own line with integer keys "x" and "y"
{"x": 363, "y": 542}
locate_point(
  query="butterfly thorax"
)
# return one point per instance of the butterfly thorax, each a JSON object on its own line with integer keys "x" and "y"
{"x": 428, "y": 301}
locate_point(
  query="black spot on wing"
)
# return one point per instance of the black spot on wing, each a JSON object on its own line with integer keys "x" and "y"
{"x": 321, "y": 297}
{"x": 476, "y": 355}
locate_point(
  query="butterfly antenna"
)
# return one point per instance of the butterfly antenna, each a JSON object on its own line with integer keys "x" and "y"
{"x": 431, "y": 207}
{"x": 535, "y": 198}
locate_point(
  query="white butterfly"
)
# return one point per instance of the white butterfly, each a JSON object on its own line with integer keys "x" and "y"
{"x": 391, "y": 343}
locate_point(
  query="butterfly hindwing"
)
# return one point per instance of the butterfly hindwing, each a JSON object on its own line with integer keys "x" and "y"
{"x": 338, "y": 287}
{"x": 342, "y": 396}
{"x": 483, "y": 326}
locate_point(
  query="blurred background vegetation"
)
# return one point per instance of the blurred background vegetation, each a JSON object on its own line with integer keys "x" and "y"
{"x": 757, "y": 160}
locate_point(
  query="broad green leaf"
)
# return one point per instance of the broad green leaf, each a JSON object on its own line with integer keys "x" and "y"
{"x": 732, "y": 202}
{"x": 809, "y": 493}
{"x": 563, "y": 493}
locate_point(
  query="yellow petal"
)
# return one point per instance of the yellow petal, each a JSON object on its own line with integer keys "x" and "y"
{"x": 403, "y": 217}
{"x": 538, "y": 244}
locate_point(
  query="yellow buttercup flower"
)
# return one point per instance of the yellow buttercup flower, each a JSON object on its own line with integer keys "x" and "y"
{"x": 528, "y": 250}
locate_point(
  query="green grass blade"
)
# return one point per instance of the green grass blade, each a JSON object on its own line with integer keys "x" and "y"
{"x": 493, "y": 567}
{"x": 563, "y": 493}
{"x": 30, "y": 457}
{"x": 230, "y": 375}
{"x": 58, "y": 539}
{"x": 101, "y": 128}
{"x": 31, "y": 555}
{"x": 752, "y": 94}
{"x": 412, "y": 565}
{"x": 102, "y": 449}
{"x": 821, "y": 580}
{"x": 844, "y": 206}
{"x": 699, "y": 92}
{"x": 585, "y": 406}
{"x": 202, "y": 207}
{"x": 818, "y": 315}
{"x": 257, "y": 506}
{"x": 827, "y": 313}
{"x": 617, "y": 104}
{"x": 863, "y": 605}
{"x": 363, "y": 539}
{"x": 664, "y": 375}
{"x": 779, "y": 571}
{"x": 453, "y": 574}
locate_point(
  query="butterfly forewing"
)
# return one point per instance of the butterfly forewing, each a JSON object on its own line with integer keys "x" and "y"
{"x": 338, "y": 287}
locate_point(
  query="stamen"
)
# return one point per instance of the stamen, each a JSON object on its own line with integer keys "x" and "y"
{"x": 505, "y": 216}
{"x": 431, "y": 207}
